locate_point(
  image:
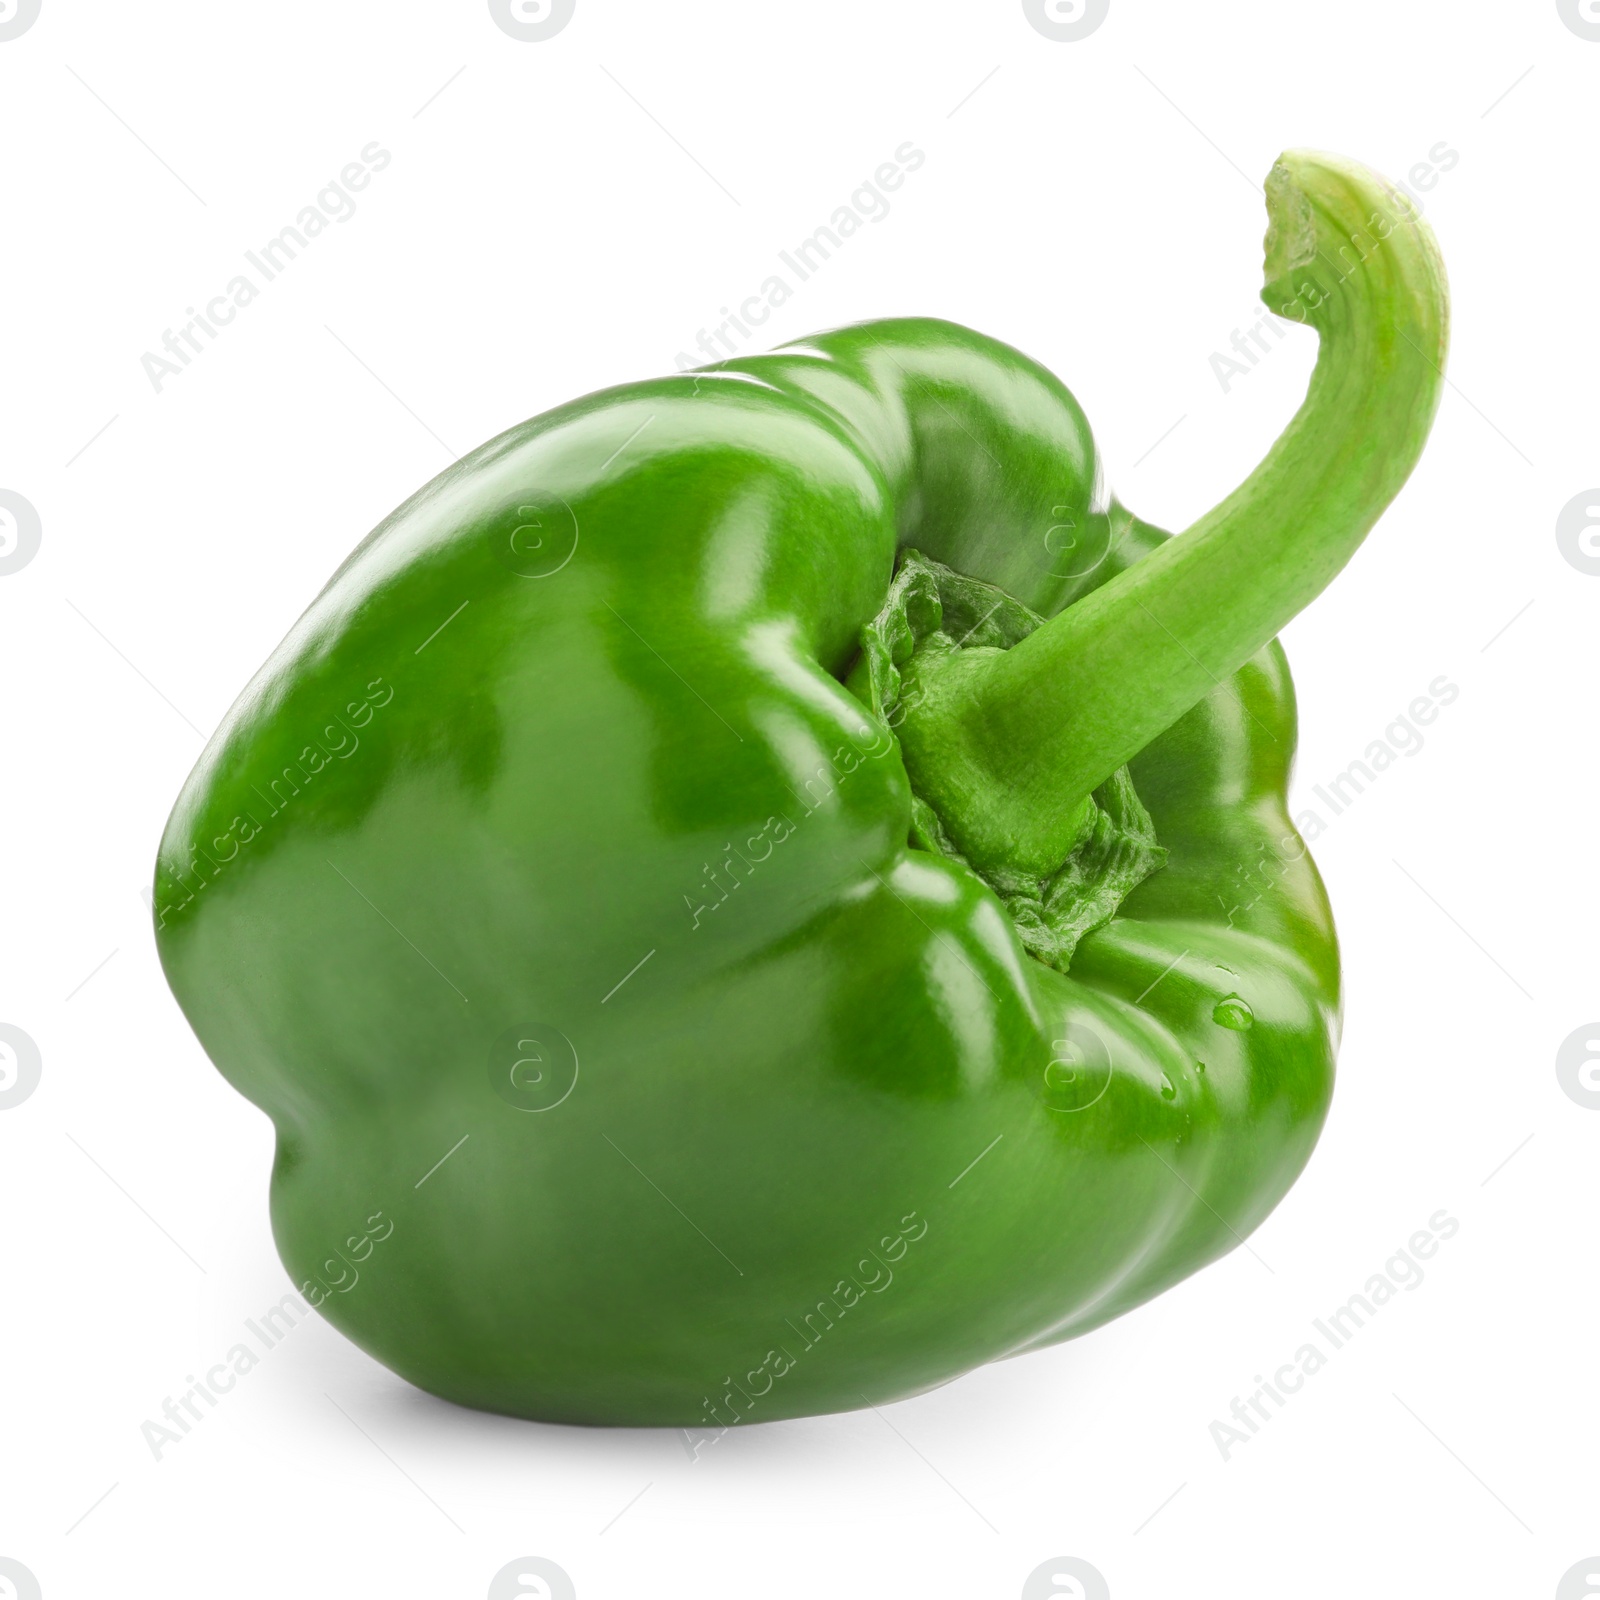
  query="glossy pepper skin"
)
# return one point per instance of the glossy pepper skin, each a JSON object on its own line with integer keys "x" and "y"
{"x": 550, "y": 887}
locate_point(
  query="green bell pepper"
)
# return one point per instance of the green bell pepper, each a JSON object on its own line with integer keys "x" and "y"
{"x": 757, "y": 891}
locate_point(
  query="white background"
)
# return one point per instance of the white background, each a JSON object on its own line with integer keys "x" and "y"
{"x": 564, "y": 215}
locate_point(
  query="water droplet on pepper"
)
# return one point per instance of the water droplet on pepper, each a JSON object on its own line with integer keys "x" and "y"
{"x": 1233, "y": 1011}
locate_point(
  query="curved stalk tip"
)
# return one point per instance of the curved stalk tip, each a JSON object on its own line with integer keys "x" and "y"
{"x": 1009, "y": 747}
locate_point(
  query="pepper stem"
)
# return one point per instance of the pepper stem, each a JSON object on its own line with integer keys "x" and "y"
{"x": 1010, "y": 745}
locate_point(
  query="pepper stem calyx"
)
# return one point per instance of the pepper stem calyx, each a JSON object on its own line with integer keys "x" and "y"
{"x": 1009, "y": 745}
